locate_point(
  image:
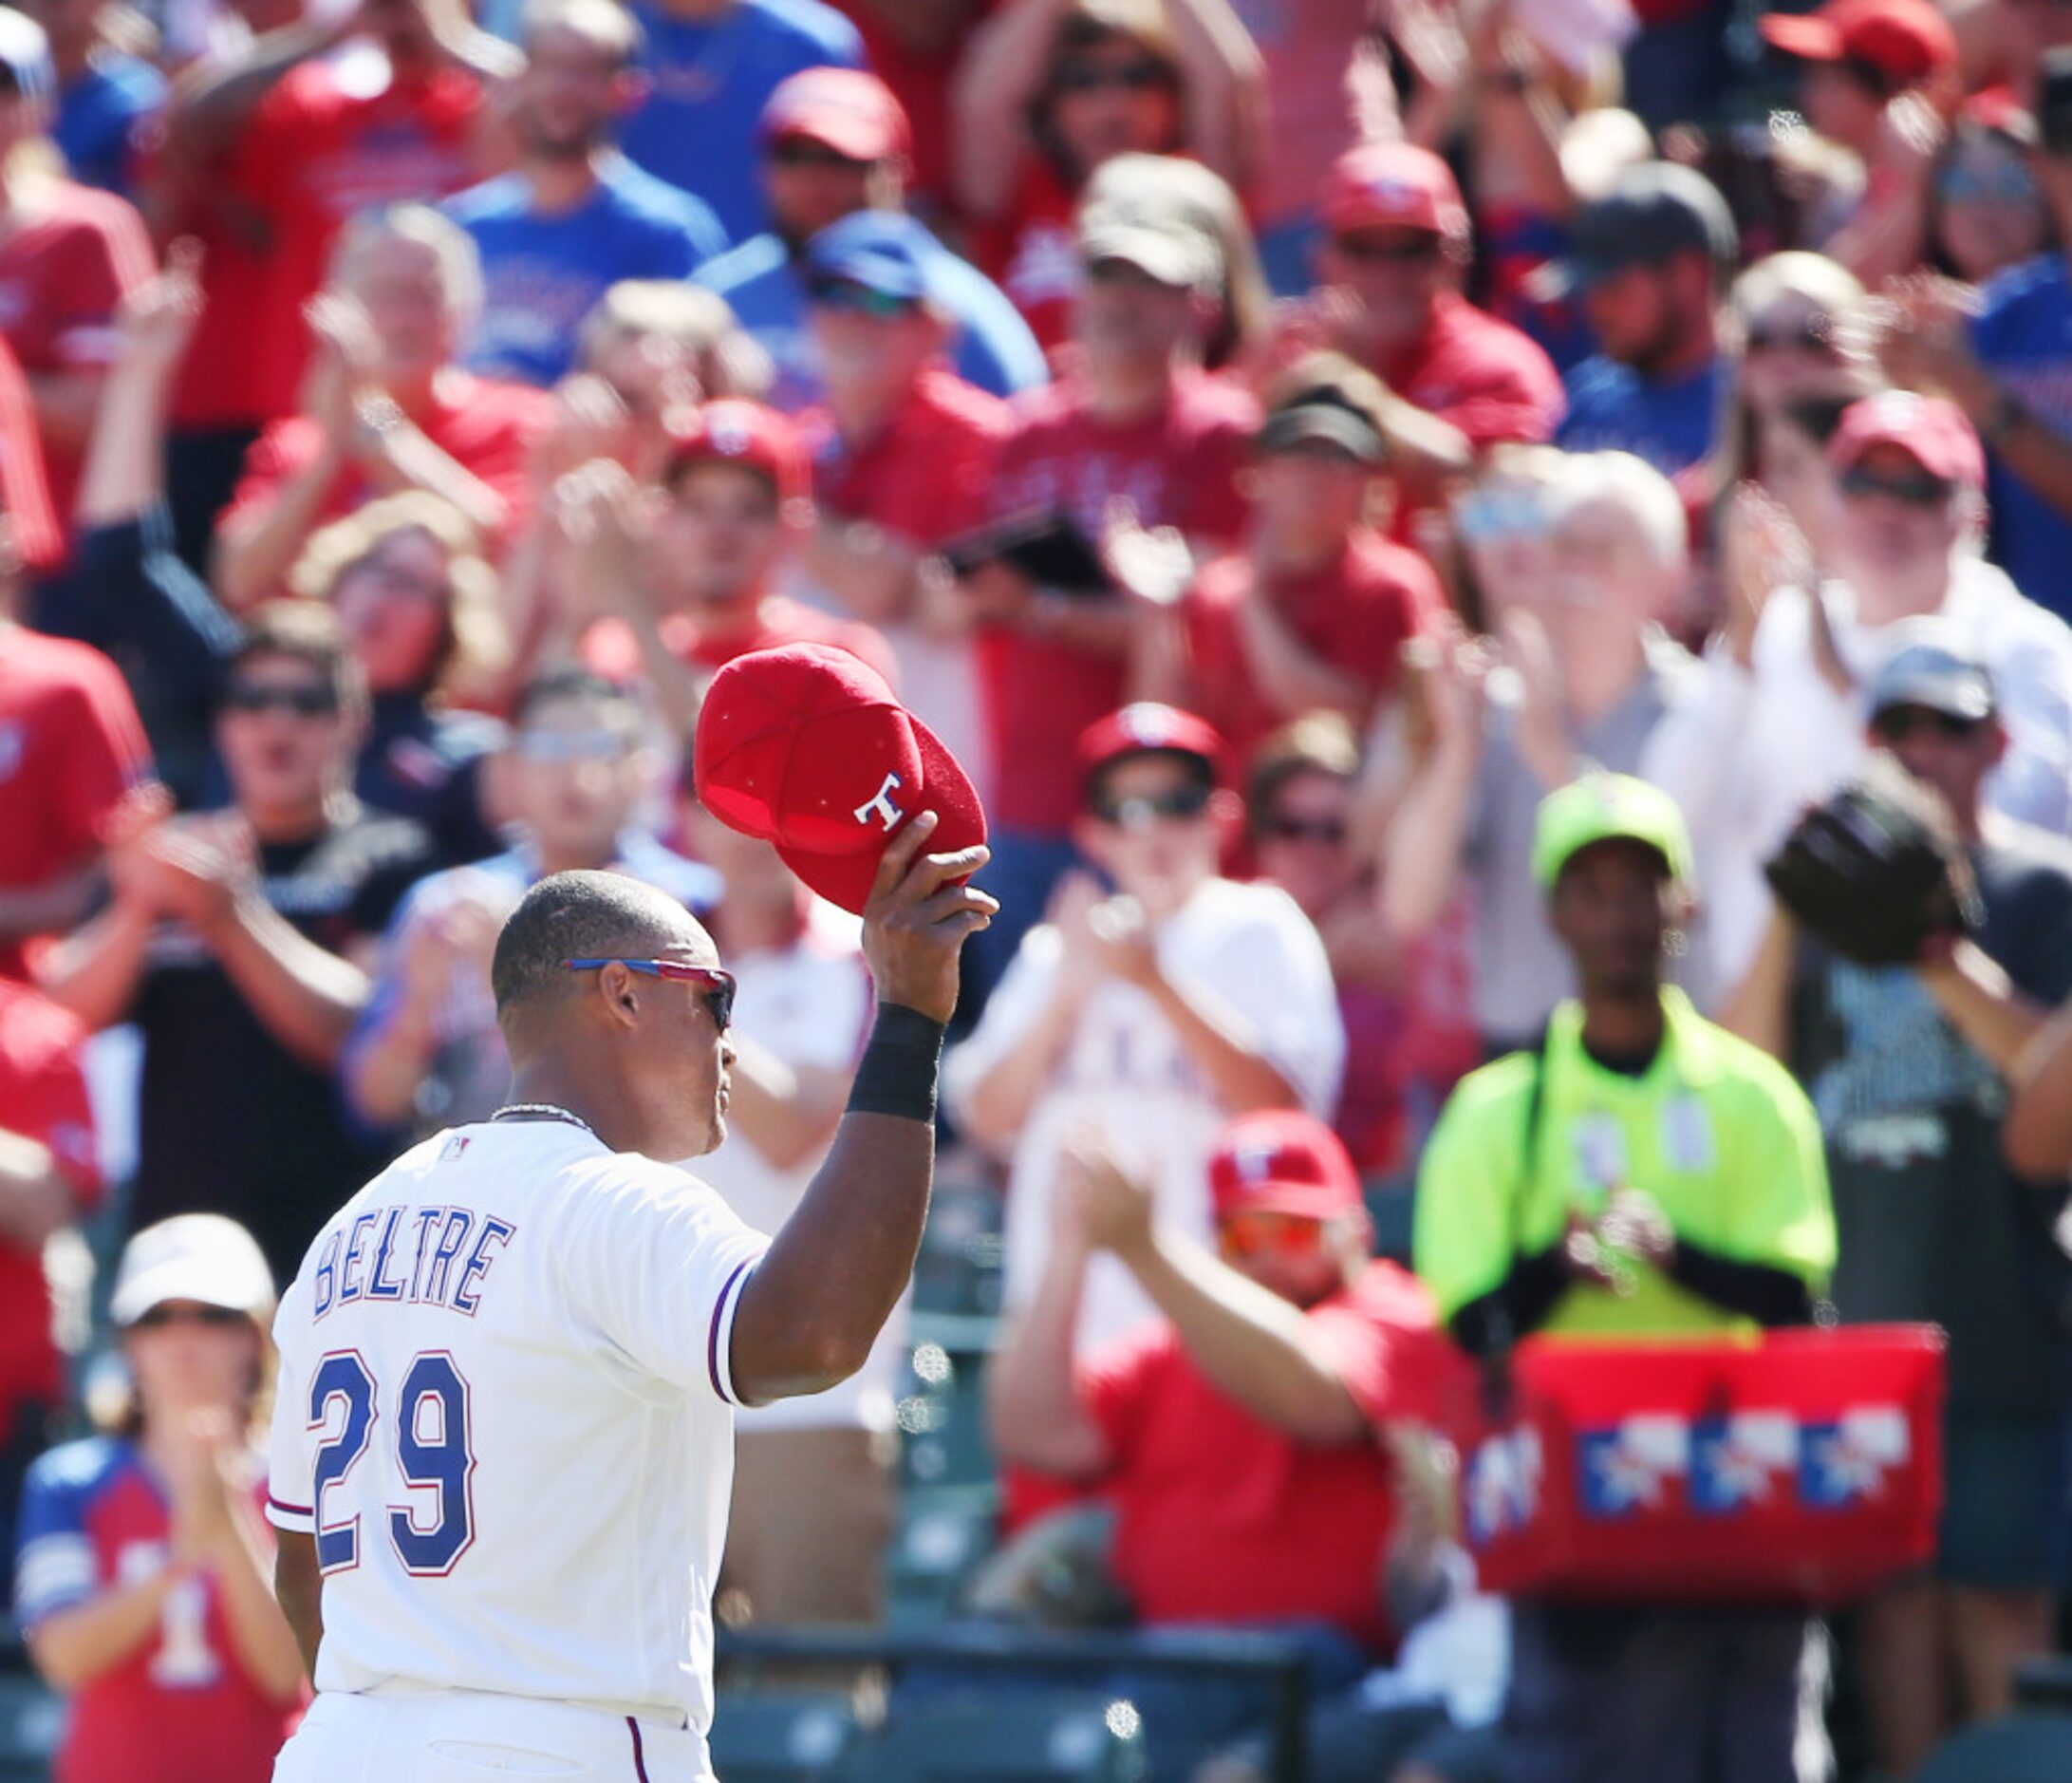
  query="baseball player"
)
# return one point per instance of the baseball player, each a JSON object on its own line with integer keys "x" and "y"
{"x": 503, "y": 1437}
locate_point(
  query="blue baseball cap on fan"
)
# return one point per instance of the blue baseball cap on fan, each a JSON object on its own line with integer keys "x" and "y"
{"x": 884, "y": 252}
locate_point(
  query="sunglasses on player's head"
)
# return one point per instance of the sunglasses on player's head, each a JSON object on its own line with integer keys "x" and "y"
{"x": 173, "y": 1312}
{"x": 1142, "y": 810}
{"x": 719, "y": 985}
{"x": 259, "y": 696}
{"x": 1918, "y": 491}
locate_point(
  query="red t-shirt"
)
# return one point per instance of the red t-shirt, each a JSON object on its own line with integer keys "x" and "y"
{"x": 1484, "y": 376}
{"x": 312, "y": 155}
{"x": 926, "y": 477}
{"x": 484, "y": 426}
{"x": 1032, "y": 252}
{"x": 1355, "y": 615}
{"x": 43, "y": 1096}
{"x": 1222, "y": 1517}
{"x": 1177, "y": 468}
{"x": 61, "y": 274}
{"x": 25, "y": 493}
{"x": 72, "y": 745}
{"x": 609, "y": 648}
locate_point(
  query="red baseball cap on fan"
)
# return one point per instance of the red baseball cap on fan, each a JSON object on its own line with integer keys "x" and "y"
{"x": 1904, "y": 40}
{"x": 1392, "y": 185}
{"x": 1280, "y": 1160}
{"x": 732, "y": 430}
{"x": 1932, "y": 432}
{"x": 806, "y": 746}
{"x": 845, "y": 109}
{"x": 1150, "y": 728}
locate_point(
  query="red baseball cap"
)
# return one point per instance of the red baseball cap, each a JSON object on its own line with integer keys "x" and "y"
{"x": 1932, "y": 432}
{"x": 733, "y": 430}
{"x": 806, "y": 746}
{"x": 1280, "y": 1160}
{"x": 1392, "y": 185}
{"x": 1905, "y": 40}
{"x": 846, "y": 110}
{"x": 1145, "y": 728}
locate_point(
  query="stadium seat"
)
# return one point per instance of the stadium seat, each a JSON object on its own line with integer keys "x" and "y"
{"x": 31, "y": 1720}
{"x": 2015, "y": 1749}
{"x": 1002, "y": 1736}
{"x": 779, "y": 1735}
{"x": 943, "y": 1533}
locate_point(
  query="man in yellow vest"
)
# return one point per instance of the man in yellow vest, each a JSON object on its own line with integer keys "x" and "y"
{"x": 1639, "y": 1171}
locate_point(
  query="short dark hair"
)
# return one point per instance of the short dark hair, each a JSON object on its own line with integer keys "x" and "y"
{"x": 570, "y": 682}
{"x": 306, "y": 632}
{"x": 577, "y": 916}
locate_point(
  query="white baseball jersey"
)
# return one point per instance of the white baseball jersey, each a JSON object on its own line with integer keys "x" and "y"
{"x": 506, "y": 1416}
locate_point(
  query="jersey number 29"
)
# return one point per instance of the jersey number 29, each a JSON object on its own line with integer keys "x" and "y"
{"x": 435, "y": 1525}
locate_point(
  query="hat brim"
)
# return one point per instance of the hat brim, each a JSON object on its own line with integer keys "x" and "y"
{"x": 1303, "y": 1200}
{"x": 853, "y": 138}
{"x": 177, "y": 1280}
{"x": 846, "y": 880}
{"x": 1955, "y": 696}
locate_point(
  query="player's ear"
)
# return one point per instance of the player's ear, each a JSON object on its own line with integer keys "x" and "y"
{"x": 622, "y": 998}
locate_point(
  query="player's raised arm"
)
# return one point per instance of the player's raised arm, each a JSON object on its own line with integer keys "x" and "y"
{"x": 813, "y": 1308}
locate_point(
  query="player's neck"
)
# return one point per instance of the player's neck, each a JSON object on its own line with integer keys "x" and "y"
{"x": 548, "y": 1082}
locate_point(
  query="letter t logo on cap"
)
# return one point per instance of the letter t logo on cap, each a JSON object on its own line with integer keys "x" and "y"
{"x": 882, "y": 806}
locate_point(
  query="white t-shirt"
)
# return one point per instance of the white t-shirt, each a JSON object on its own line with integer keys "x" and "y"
{"x": 1246, "y": 950}
{"x": 1754, "y": 747}
{"x": 810, "y": 1005}
{"x": 505, "y": 1412}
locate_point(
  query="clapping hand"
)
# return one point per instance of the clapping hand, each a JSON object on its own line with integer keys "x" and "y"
{"x": 199, "y": 1458}
{"x": 157, "y": 319}
{"x": 1108, "y": 1207}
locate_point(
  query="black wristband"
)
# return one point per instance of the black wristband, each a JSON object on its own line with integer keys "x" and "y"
{"x": 896, "y": 1075}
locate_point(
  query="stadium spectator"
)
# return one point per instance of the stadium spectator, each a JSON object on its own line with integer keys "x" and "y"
{"x": 1589, "y": 678}
{"x": 68, "y": 254}
{"x": 108, "y": 92}
{"x": 712, "y": 66}
{"x": 1793, "y": 312}
{"x": 574, "y": 216}
{"x": 1908, "y": 1066}
{"x": 132, "y": 597}
{"x": 1147, "y": 1017}
{"x": 1875, "y": 77}
{"x": 1396, "y": 248}
{"x": 384, "y": 407}
{"x": 72, "y": 753}
{"x": 812, "y": 1481}
{"x": 268, "y": 153}
{"x": 419, "y": 607}
{"x": 1647, "y": 261}
{"x": 1782, "y": 696}
{"x": 902, "y": 452}
{"x": 1136, "y": 431}
{"x": 834, "y": 143}
{"x": 146, "y": 1590}
{"x": 2002, "y": 359}
{"x": 1987, "y": 212}
{"x": 1635, "y": 1169}
{"x": 1051, "y": 89}
{"x": 1408, "y": 1030}
{"x": 1313, "y": 613}
{"x": 48, "y": 1176}
{"x": 679, "y": 589}
{"x": 1168, "y": 189}
{"x": 232, "y": 942}
{"x": 426, "y": 1052}
{"x": 1239, "y": 1435}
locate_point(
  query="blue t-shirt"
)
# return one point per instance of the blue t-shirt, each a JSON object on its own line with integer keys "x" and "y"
{"x": 1612, "y": 407}
{"x": 2023, "y": 335}
{"x": 97, "y": 119}
{"x": 542, "y": 273}
{"x": 710, "y": 81}
{"x": 993, "y": 349}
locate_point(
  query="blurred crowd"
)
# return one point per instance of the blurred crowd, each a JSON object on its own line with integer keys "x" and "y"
{"x": 1399, "y": 504}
